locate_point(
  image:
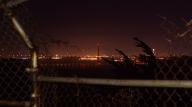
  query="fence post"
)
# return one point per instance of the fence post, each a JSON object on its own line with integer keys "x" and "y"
{"x": 35, "y": 101}
{"x": 35, "y": 98}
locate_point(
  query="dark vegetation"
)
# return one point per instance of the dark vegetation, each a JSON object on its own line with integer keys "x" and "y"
{"x": 129, "y": 69}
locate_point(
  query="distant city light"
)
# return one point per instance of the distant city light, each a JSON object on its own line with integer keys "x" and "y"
{"x": 92, "y": 58}
{"x": 89, "y": 58}
{"x": 56, "y": 57}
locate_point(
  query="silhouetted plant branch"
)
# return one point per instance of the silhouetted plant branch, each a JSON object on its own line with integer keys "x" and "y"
{"x": 128, "y": 65}
{"x": 126, "y": 60}
{"x": 148, "y": 55}
{"x": 112, "y": 62}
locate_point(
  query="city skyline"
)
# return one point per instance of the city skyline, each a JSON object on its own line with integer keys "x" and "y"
{"x": 113, "y": 24}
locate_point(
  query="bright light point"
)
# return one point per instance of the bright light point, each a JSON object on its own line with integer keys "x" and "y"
{"x": 56, "y": 57}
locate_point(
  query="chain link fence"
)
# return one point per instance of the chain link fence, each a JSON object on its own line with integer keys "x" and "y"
{"x": 105, "y": 96}
{"x": 176, "y": 68}
{"x": 58, "y": 92}
{"x": 17, "y": 56}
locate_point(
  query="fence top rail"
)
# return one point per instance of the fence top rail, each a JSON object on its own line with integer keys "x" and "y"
{"x": 14, "y": 103}
{"x": 118, "y": 82}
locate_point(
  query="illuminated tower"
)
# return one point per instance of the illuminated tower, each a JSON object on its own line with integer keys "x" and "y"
{"x": 98, "y": 51}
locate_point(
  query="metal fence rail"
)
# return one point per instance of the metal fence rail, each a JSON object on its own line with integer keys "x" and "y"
{"x": 15, "y": 103}
{"x": 117, "y": 82}
{"x": 80, "y": 92}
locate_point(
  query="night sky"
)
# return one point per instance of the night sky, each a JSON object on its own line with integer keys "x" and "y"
{"x": 112, "y": 24}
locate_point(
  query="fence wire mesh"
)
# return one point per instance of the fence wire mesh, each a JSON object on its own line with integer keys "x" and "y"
{"x": 15, "y": 82}
{"x": 104, "y": 96}
{"x": 176, "y": 68}
{"x": 79, "y": 95}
